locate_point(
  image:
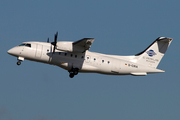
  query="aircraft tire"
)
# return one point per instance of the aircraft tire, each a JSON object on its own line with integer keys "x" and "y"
{"x": 75, "y": 71}
{"x": 71, "y": 75}
{"x": 18, "y": 63}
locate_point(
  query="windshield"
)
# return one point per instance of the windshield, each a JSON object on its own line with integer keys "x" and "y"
{"x": 25, "y": 44}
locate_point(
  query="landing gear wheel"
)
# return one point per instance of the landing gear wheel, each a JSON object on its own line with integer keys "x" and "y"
{"x": 71, "y": 75}
{"x": 19, "y": 63}
{"x": 75, "y": 71}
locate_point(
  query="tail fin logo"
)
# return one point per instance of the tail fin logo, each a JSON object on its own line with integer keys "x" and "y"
{"x": 151, "y": 53}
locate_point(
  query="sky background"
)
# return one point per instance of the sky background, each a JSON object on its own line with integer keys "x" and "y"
{"x": 37, "y": 91}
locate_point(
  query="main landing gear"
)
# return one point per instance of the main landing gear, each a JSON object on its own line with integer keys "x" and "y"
{"x": 73, "y": 71}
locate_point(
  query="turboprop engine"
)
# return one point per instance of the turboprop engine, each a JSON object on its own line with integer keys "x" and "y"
{"x": 78, "y": 46}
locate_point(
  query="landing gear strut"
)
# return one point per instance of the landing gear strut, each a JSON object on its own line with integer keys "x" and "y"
{"x": 73, "y": 71}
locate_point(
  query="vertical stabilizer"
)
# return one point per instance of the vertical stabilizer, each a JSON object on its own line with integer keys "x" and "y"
{"x": 152, "y": 55}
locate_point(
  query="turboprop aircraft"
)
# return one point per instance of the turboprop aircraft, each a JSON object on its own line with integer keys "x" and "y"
{"x": 75, "y": 57}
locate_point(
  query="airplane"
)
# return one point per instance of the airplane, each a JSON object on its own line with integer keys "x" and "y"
{"x": 75, "y": 57}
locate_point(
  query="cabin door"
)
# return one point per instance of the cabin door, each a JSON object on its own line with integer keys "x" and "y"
{"x": 38, "y": 50}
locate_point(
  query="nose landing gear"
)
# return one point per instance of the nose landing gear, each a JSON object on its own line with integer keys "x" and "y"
{"x": 73, "y": 71}
{"x": 20, "y": 59}
{"x": 19, "y": 62}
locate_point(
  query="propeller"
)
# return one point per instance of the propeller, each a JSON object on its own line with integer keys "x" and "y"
{"x": 55, "y": 41}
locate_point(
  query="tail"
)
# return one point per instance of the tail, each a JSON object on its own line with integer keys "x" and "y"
{"x": 152, "y": 55}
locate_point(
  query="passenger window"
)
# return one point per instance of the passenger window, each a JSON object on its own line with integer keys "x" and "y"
{"x": 71, "y": 55}
{"x": 75, "y": 56}
{"x": 65, "y": 54}
{"x": 108, "y": 62}
{"x": 102, "y": 61}
{"x": 82, "y": 57}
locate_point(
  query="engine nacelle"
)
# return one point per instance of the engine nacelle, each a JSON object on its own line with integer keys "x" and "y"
{"x": 68, "y": 46}
{"x": 64, "y": 46}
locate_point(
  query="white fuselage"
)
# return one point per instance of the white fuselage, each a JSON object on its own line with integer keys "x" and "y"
{"x": 85, "y": 62}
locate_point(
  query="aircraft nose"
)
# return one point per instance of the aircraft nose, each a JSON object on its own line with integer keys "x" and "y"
{"x": 12, "y": 51}
{"x": 9, "y": 51}
{"x": 15, "y": 51}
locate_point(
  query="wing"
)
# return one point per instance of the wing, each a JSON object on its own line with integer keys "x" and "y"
{"x": 83, "y": 44}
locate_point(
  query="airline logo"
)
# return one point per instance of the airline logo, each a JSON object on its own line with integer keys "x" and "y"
{"x": 151, "y": 53}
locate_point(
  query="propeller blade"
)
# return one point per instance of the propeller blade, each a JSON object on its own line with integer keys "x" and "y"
{"x": 48, "y": 40}
{"x": 55, "y": 41}
{"x": 55, "y": 37}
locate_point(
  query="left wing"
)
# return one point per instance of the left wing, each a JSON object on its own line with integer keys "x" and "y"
{"x": 83, "y": 44}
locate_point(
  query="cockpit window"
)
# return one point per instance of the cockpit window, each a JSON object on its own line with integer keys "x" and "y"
{"x": 22, "y": 44}
{"x": 25, "y": 44}
{"x": 28, "y": 45}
